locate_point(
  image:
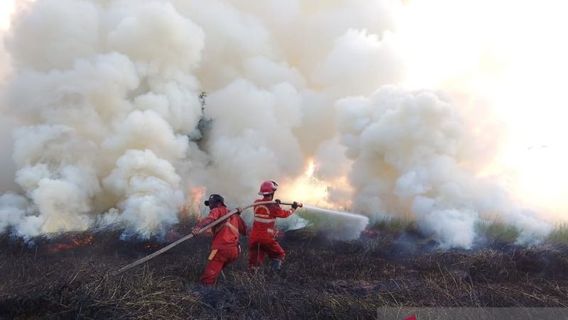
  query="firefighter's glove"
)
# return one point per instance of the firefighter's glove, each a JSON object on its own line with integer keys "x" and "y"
{"x": 295, "y": 205}
{"x": 278, "y": 201}
{"x": 239, "y": 211}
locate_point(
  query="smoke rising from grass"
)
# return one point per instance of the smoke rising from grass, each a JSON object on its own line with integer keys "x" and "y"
{"x": 104, "y": 110}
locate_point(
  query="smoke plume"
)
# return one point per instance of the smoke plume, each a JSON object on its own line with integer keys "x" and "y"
{"x": 102, "y": 123}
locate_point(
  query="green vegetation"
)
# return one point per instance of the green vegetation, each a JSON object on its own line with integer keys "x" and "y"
{"x": 394, "y": 225}
{"x": 497, "y": 232}
{"x": 559, "y": 235}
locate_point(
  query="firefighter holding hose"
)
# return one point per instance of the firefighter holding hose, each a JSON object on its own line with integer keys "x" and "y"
{"x": 262, "y": 239}
{"x": 225, "y": 248}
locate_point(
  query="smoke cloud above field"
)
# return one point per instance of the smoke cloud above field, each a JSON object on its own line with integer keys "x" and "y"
{"x": 102, "y": 123}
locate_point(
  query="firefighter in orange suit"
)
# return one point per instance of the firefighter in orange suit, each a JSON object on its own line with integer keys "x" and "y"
{"x": 225, "y": 248}
{"x": 262, "y": 239}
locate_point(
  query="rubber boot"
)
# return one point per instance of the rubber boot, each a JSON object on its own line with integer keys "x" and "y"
{"x": 276, "y": 265}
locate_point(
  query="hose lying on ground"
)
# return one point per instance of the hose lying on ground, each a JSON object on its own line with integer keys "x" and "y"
{"x": 187, "y": 237}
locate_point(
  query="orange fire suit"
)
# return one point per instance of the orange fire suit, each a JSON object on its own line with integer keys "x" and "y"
{"x": 225, "y": 247}
{"x": 262, "y": 240}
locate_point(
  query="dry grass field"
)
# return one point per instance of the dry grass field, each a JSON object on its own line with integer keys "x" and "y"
{"x": 390, "y": 265}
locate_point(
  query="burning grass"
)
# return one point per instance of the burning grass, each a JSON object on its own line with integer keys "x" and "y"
{"x": 322, "y": 278}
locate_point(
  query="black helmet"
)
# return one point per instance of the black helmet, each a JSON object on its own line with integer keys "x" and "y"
{"x": 214, "y": 199}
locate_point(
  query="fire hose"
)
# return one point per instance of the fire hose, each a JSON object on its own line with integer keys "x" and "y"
{"x": 189, "y": 236}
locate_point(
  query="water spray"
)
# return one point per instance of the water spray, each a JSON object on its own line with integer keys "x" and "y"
{"x": 337, "y": 225}
{"x": 340, "y": 225}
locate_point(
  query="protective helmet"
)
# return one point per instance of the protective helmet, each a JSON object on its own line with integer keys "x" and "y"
{"x": 214, "y": 199}
{"x": 268, "y": 187}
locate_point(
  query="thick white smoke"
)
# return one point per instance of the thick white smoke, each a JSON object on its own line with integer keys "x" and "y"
{"x": 104, "y": 110}
{"x": 105, "y": 97}
{"x": 410, "y": 152}
{"x": 7, "y": 123}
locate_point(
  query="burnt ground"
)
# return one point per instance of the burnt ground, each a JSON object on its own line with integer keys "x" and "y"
{"x": 322, "y": 279}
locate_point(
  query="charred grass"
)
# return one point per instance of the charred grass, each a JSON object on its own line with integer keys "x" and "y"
{"x": 322, "y": 279}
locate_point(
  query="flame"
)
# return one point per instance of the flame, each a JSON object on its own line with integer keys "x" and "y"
{"x": 194, "y": 198}
{"x": 71, "y": 242}
{"x": 151, "y": 246}
{"x": 308, "y": 188}
{"x": 311, "y": 169}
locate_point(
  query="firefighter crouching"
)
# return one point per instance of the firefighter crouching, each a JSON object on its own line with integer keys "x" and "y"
{"x": 262, "y": 239}
{"x": 225, "y": 248}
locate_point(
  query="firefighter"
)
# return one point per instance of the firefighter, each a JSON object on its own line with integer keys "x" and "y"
{"x": 262, "y": 239}
{"x": 225, "y": 248}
